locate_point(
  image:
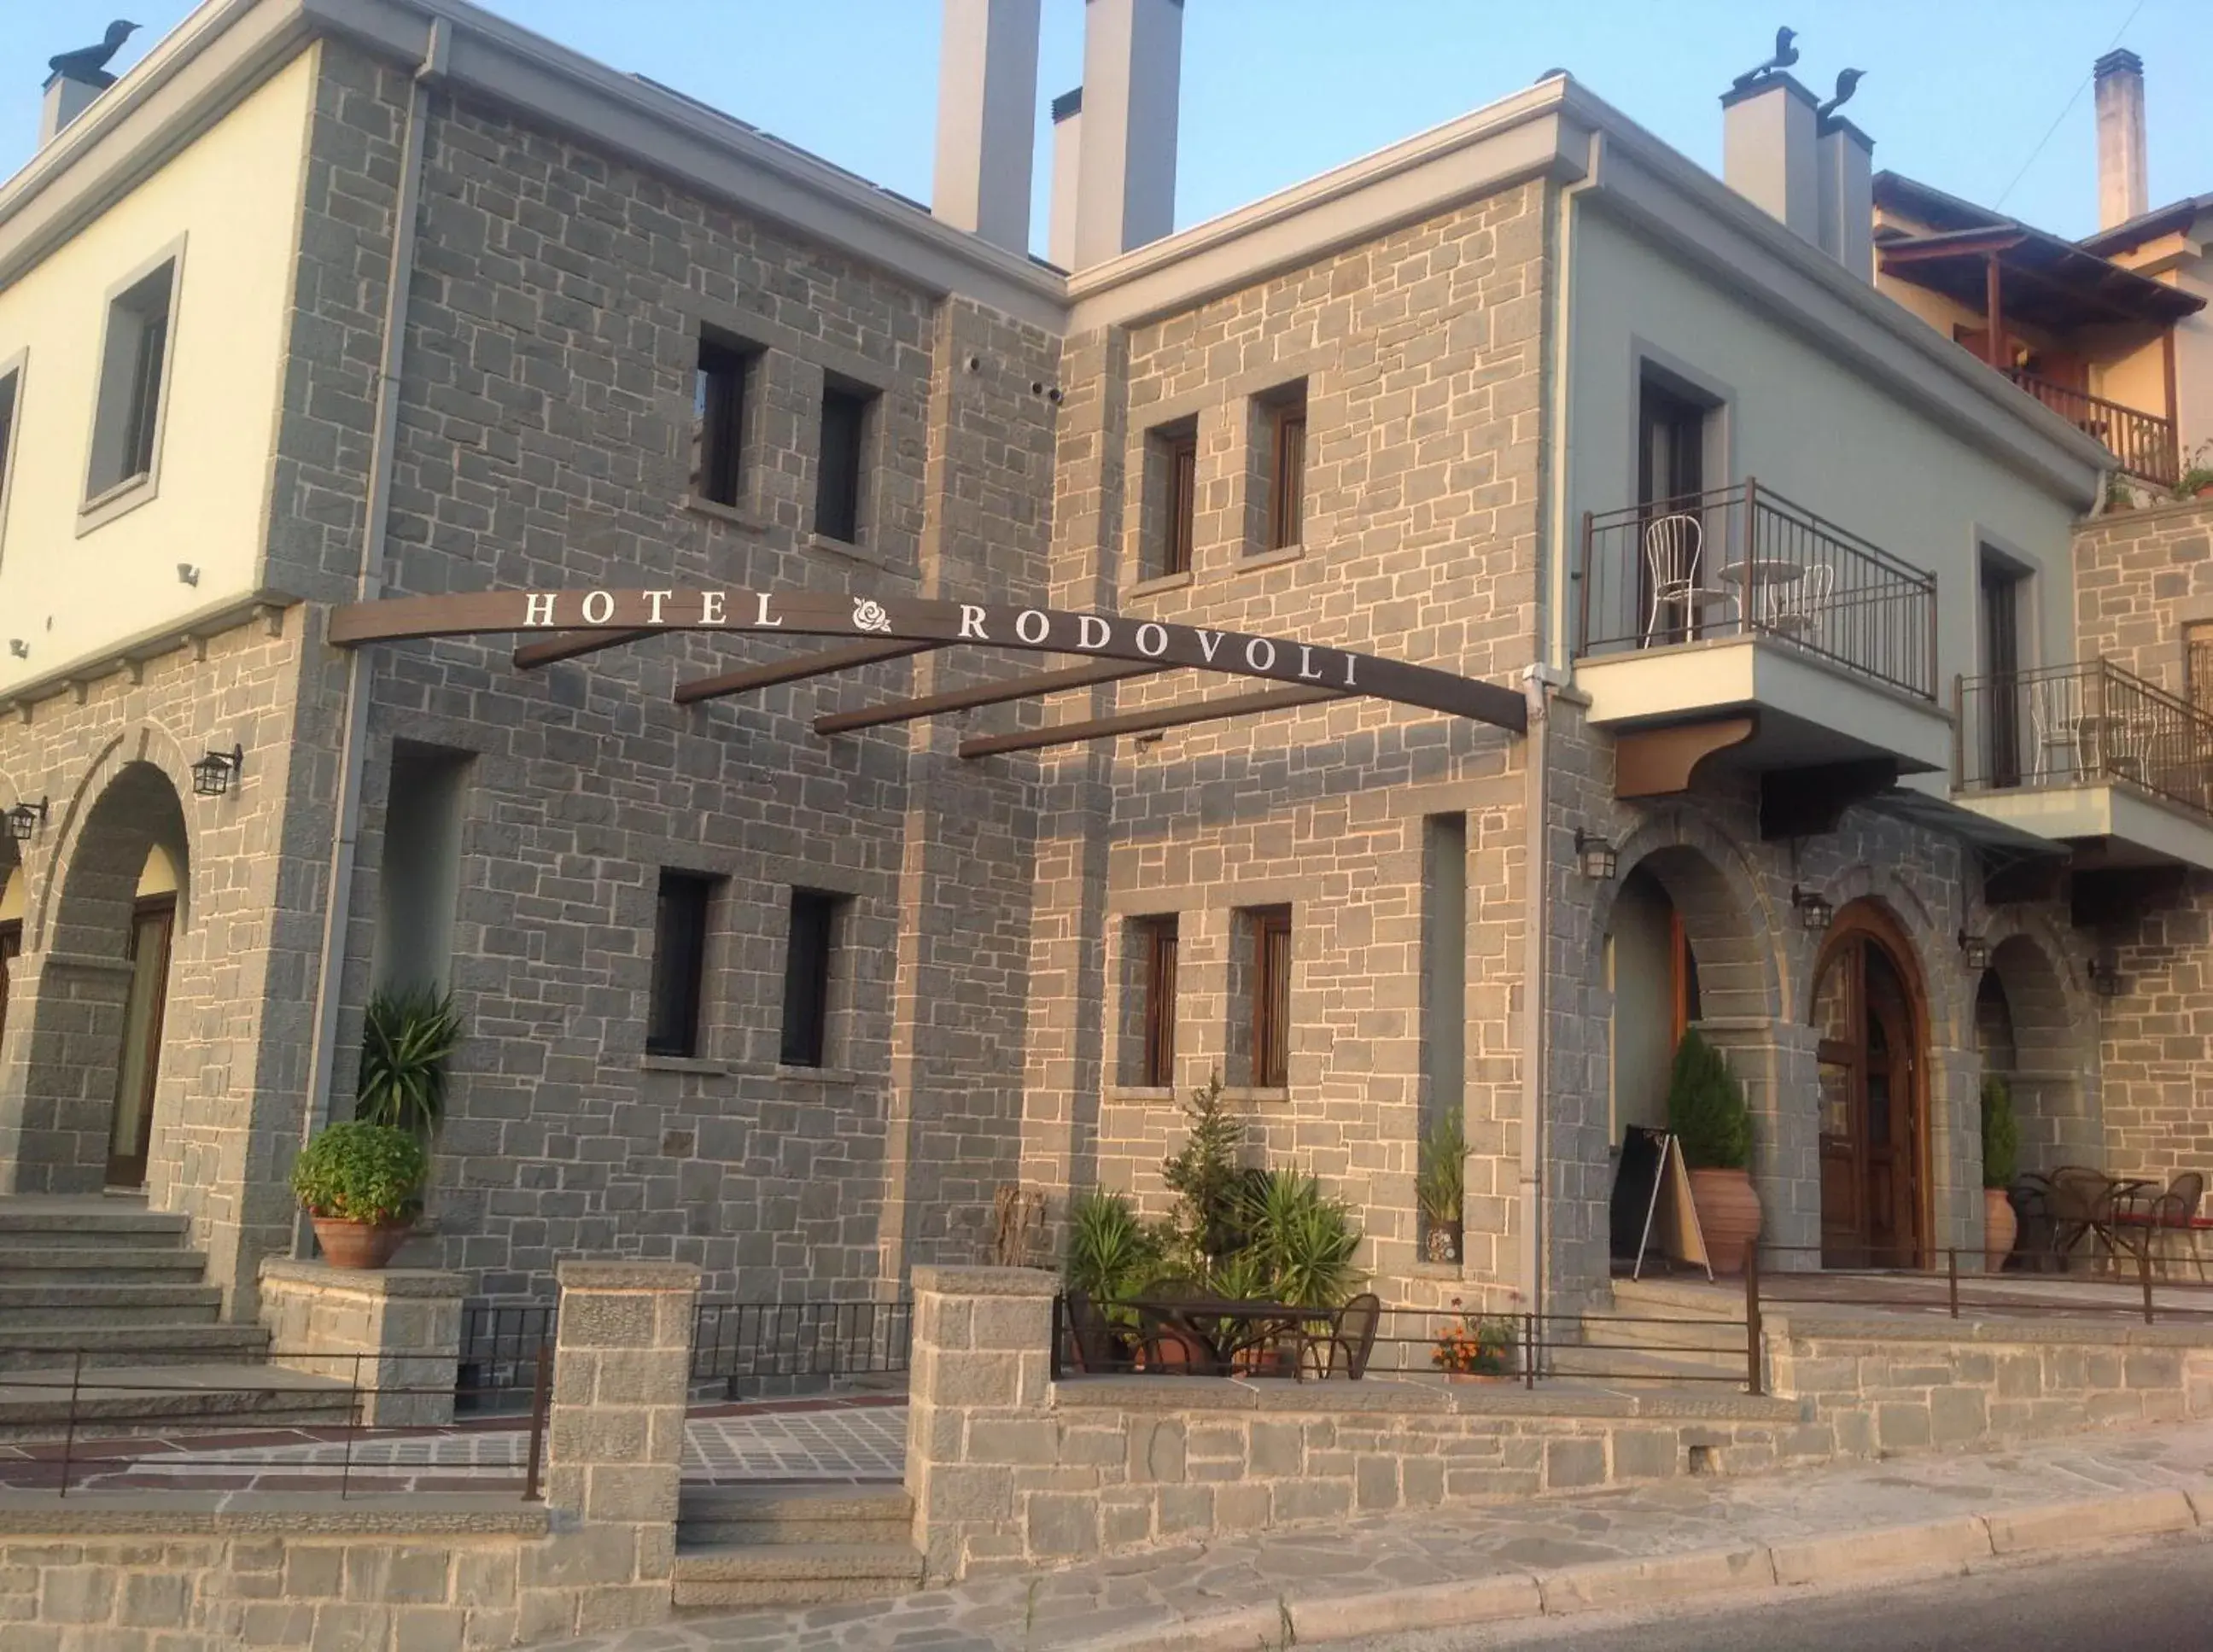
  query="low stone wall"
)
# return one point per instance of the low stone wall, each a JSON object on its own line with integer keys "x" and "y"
{"x": 1011, "y": 1470}
{"x": 191, "y": 1571}
{"x": 395, "y": 1332}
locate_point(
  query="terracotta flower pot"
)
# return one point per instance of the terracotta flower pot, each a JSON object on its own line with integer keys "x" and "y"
{"x": 360, "y": 1244}
{"x": 1728, "y": 1215}
{"x": 2000, "y": 1227}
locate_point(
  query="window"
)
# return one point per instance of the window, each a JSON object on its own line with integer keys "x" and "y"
{"x": 1270, "y": 929}
{"x": 807, "y": 963}
{"x": 679, "y": 964}
{"x": 1286, "y": 432}
{"x": 127, "y": 421}
{"x": 837, "y": 478}
{"x": 2197, "y": 663}
{"x": 1671, "y": 444}
{"x": 1154, "y": 941}
{"x": 11, "y": 946}
{"x": 718, "y": 419}
{"x": 1172, "y": 472}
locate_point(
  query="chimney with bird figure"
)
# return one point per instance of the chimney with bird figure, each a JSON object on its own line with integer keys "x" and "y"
{"x": 78, "y": 78}
{"x": 1844, "y": 160}
{"x": 1769, "y": 124}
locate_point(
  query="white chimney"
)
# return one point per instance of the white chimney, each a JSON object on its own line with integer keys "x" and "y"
{"x": 986, "y": 119}
{"x": 1844, "y": 160}
{"x": 1067, "y": 173}
{"x": 1132, "y": 79}
{"x": 2124, "y": 183}
{"x": 1768, "y": 143}
{"x": 66, "y": 98}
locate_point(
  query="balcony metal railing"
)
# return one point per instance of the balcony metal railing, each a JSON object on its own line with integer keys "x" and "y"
{"x": 2080, "y": 725}
{"x": 1744, "y": 561}
{"x": 2144, "y": 443}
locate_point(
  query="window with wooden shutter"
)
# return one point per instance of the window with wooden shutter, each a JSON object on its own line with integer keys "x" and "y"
{"x": 1287, "y": 469}
{"x": 1271, "y": 997}
{"x": 1156, "y": 938}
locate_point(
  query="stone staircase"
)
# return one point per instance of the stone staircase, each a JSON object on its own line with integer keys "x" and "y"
{"x": 101, "y": 1292}
{"x": 1671, "y": 1332}
{"x": 787, "y": 1545}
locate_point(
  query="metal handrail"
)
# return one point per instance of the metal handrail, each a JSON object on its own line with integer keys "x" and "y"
{"x": 1754, "y": 563}
{"x": 2081, "y": 724}
{"x": 2145, "y": 444}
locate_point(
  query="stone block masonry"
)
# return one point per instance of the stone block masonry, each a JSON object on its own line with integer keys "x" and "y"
{"x": 394, "y": 1333}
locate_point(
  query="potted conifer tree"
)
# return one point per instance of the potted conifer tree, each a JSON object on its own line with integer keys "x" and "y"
{"x": 1713, "y": 1127}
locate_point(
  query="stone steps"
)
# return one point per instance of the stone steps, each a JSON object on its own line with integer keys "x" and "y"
{"x": 103, "y": 1346}
{"x": 84, "y": 1224}
{"x": 38, "y": 1307}
{"x": 718, "y": 1577}
{"x": 143, "y": 1398}
{"x": 1668, "y": 1331}
{"x": 793, "y": 1545}
{"x": 102, "y": 1264}
{"x": 1642, "y": 1366}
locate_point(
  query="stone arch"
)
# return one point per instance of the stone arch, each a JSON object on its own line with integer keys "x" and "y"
{"x": 1929, "y": 938}
{"x": 1726, "y": 920}
{"x": 2047, "y": 1060}
{"x": 80, "y": 937}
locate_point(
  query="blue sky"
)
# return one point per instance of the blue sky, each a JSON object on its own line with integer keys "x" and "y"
{"x": 1959, "y": 92}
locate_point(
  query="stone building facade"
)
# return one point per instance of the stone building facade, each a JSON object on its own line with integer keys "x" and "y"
{"x": 521, "y": 414}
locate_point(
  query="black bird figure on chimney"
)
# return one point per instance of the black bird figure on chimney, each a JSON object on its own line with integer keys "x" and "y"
{"x": 1848, "y": 81}
{"x": 1785, "y": 54}
{"x": 89, "y": 64}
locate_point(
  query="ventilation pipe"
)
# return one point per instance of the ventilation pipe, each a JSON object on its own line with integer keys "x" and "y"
{"x": 987, "y": 79}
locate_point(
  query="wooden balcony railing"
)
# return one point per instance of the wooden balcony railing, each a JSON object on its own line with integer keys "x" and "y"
{"x": 2144, "y": 443}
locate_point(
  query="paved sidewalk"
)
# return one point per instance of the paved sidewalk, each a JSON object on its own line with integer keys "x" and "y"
{"x": 1671, "y": 1541}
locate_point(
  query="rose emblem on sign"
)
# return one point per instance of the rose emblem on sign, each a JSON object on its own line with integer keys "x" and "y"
{"x": 870, "y": 616}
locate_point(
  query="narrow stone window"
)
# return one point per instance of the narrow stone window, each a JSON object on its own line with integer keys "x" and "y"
{"x": 11, "y": 391}
{"x": 721, "y": 391}
{"x": 808, "y": 961}
{"x": 2197, "y": 663}
{"x": 1284, "y": 428}
{"x": 1172, "y": 498}
{"x": 418, "y": 887}
{"x": 1267, "y": 994}
{"x": 1152, "y": 980}
{"x": 133, "y": 368}
{"x": 679, "y": 963}
{"x": 840, "y": 469}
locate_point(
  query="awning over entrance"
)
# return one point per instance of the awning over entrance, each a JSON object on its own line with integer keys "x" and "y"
{"x": 568, "y": 625}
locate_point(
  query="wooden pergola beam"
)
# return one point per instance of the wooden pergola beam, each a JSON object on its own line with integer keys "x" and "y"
{"x": 572, "y": 645}
{"x": 992, "y": 693}
{"x": 745, "y": 678}
{"x": 1140, "y": 723}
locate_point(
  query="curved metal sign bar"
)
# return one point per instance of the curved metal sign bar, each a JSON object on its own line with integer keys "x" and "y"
{"x": 919, "y": 620}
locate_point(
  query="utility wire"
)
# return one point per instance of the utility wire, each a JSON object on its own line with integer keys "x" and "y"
{"x": 2072, "y": 101}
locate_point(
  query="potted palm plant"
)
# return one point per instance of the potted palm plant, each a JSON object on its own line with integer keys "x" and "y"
{"x": 1713, "y": 1127}
{"x": 1441, "y": 1187}
{"x": 362, "y": 1186}
{"x": 2000, "y": 1157}
{"x": 406, "y": 1040}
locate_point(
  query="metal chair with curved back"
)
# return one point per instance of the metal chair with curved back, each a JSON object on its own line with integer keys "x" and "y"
{"x": 1350, "y": 1338}
{"x": 2174, "y": 1216}
{"x": 1672, "y": 544}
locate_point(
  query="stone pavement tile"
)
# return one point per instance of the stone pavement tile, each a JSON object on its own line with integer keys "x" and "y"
{"x": 1384, "y": 1556}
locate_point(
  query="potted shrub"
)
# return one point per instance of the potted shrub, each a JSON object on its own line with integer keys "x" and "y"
{"x": 1473, "y": 1349}
{"x": 2198, "y": 475}
{"x": 1712, "y": 1126}
{"x": 2001, "y": 1158}
{"x": 361, "y": 1184}
{"x": 1441, "y": 1187}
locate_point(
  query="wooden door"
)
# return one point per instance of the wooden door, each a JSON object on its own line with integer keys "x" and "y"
{"x": 130, "y": 1128}
{"x": 11, "y": 947}
{"x": 1873, "y": 1140}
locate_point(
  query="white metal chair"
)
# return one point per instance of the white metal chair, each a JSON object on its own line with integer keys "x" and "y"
{"x": 1671, "y": 552}
{"x": 1797, "y": 609}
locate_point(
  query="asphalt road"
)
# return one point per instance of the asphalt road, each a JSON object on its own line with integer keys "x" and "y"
{"x": 2153, "y": 1598}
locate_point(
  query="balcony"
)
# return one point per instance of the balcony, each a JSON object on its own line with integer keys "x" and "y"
{"x": 1734, "y": 629}
{"x": 2088, "y": 755}
{"x": 2143, "y": 444}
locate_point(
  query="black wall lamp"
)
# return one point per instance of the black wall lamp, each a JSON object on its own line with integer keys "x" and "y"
{"x": 212, "y": 774}
{"x": 23, "y": 820}
{"x": 1814, "y": 910}
{"x": 1974, "y": 951}
{"x": 1594, "y": 855}
{"x": 2105, "y": 979}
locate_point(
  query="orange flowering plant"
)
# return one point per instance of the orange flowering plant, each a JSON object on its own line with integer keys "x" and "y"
{"x": 1481, "y": 1344}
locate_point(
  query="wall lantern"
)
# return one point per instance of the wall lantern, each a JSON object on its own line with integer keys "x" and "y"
{"x": 23, "y": 820}
{"x": 1594, "y": 855}
{"x": 1814, "y": 910}
{"x": 1974, "y": 951}
{"x": 2105, "y": 979}
{"x": 211, "y": 775}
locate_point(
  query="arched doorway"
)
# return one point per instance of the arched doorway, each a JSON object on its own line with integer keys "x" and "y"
{"x": 1873, "y": 1020}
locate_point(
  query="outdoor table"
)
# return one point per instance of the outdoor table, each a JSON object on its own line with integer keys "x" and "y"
{"x": 1226, "y": 1328}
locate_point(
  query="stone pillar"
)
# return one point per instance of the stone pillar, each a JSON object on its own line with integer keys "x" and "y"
{"x": 614, "y": 1448}
{"x": 1774, "y": 1060}
{"x": 396, "y": 1332}
{"x": 978, "y": 1402}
